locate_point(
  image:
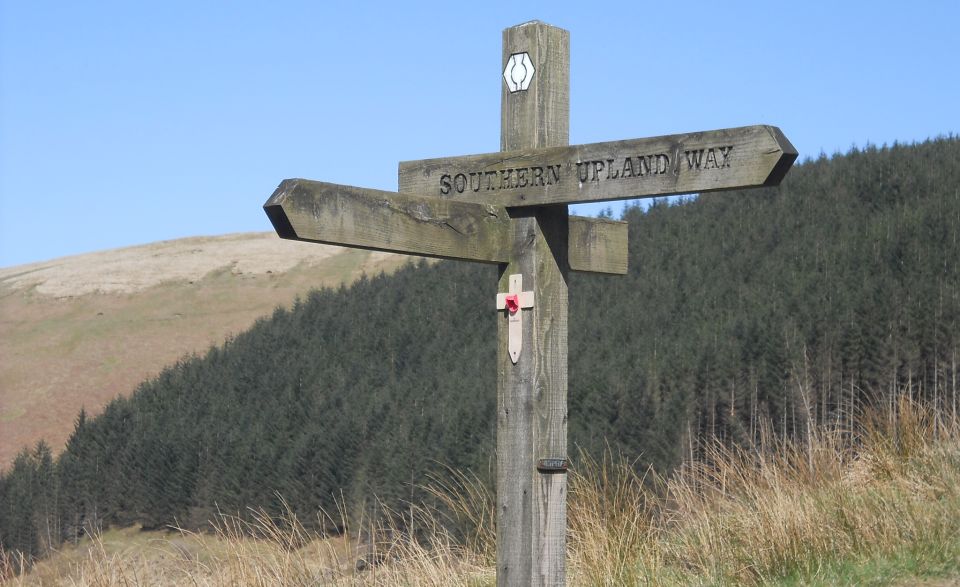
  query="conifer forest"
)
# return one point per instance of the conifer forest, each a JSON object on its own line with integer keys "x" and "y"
{"x": 744, "y": 313}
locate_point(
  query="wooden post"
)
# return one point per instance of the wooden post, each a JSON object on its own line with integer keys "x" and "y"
{"x": 519, "y": 220}
{"x": 532, "y": 395}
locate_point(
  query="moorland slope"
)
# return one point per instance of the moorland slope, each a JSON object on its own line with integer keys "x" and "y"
{"x": 79, "y": 331}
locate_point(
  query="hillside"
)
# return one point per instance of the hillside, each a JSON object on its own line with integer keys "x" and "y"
{"x": 745, "y": 315}
{"x": 79, "y": 331}
{"x": 831, "y": 510}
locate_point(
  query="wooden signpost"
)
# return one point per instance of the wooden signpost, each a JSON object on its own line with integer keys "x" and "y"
{"x": 733, "y": 158}
{"x": 510, "y": 208}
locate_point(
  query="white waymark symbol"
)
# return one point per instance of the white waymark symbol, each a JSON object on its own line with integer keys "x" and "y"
{"x": 514, "y": 302}
{"x": 519, "y": 72}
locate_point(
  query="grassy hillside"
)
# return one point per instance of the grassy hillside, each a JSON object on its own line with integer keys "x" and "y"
{"x": 79, "y": 331}
{"x": 879, "y": 507}
{"x": 773, "y": 312}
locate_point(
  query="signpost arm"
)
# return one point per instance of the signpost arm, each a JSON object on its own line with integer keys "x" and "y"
{"x": 344, "y": 215}
{"x": 532, "y": 395}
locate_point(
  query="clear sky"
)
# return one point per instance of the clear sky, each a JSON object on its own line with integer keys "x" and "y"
{"x": 130, "y": 122}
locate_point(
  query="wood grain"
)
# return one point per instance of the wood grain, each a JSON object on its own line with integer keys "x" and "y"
{"x": 698, "y": 162}
{"x": 532, "y": 395}
{"x": 597, "y": 245}
{"x": 328, "y": 213}
{"x": 387, "y": 221}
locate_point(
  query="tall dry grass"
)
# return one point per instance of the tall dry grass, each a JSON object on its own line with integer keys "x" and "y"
{"x": 776, "y": 511}
{"x": 265, "y": 550}
{"x": 779, "y": 511}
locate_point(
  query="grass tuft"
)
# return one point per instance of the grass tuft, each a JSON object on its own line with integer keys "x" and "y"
{"x": 878, "y": 505}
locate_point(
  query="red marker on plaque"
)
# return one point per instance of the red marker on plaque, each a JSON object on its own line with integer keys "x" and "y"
{"x": 514, "y": 302}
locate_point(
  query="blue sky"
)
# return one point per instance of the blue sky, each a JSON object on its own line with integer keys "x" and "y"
{"x": 130, "y": 122}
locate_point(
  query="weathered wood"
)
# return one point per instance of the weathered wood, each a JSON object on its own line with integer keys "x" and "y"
{"x": 532, "y": 395}
{"x": 387, "y": 221}
{"x": 349, "y": 216}
{"x": 749, "y": 156}
{"x": 597, "y": 245}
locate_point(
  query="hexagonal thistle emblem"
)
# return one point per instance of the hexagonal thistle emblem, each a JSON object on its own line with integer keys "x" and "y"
{"x": 519, "y": 72}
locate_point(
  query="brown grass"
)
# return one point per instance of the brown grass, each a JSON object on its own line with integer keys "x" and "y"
{"x": 79, "y": 331}
{"x": 795, "y": 507}
{"x": 879, "y": 505}
{"x": 263, "y": 551}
